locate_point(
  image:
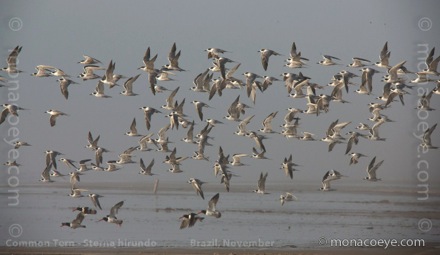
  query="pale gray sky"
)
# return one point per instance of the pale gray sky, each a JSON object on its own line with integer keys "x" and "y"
{"x": 58, "y": 33}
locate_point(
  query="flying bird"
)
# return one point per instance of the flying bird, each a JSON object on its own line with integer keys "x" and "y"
{"x": 64, "y": 84}
{"x": 76, "y": 223}
{"x": 371, "y": 170}
{"x": 85, "y": 210}
{"x": 328, "y": 60}
{"x": 197, "y": 185}
{"x": 99, "y": 90}
{"x": 288, "y": 165}
{"x": 42, "y": 71}
{"x": 109, "y": 77}
{"x": 261, "y": 185}
{"x": 146, "y": 170}
{"x": 328, "y": 177}
{"x": 89, "y": 60}
{"x": 74, "y": 178}
{"x": 265, "y": 54}
{"x": 287, "y": 197}
{"x": 426, "y": 139}
{"x": 12, "y": 61}
{"x": 354, "y": 157}
{"x": 54, "y": 114}
{"x": 76, "y": 192}
{"x": 89, "y": 72}
{"x": 111, "y": 218}
{"x": 45, "y": 176}
{"x": 173, "y": 59}
{"x": 148, "y": 62}
{"x": 236, "y": 159}
{"x": 92, "y": 143}
{"x": 95, "y": 200}
{"x": 188, "y": 220}
{"x": 128, "y": 86}
{"x": 384, "y": 57}
{"x": 9, "y": 109}
{"x": 199, "y": 105}
{"x": 215, "y": 52}
{"x": 267, "y": 123}
{"x": 211, "y": 210}
{"x": 133, "y": 130}
{"x": 358, "y": 62}
{"x": 148, "y": 112}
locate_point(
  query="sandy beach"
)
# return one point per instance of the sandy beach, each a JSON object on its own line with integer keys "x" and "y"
{"x": 298, "y": 228}
{"x": 427, "y": 250}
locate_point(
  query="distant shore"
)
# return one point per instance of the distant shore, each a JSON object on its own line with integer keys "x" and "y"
{"x": 428, "y": 250}
{"x": 170, "y": 187}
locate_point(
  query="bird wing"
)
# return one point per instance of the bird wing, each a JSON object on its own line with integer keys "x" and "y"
{"x": 262, "y": 182}
{"x": 52, "y": 120}
{"x": 150, "y": 166}
{"x": 79, "y": 218}
{"x": 5, "y": 113}
{"x": 427, "y": 134}
{"x": 370, "y": 166}
{"x": 349, "y": 144}
{"x": 213, "y": 202}
{"x": 372, "y": 171}
{"x": 45, "y": 174}
{"x": 12, "y": 58}
{"x": 141, "y": 164}
{"x": 265, "y": 59}
{"x": 64, "y": 90}
{"x": 184, "y": 223}
{"x": 115, "y": 208}
{"x": 133, "y": 126}
{"x": 95, "y": 201}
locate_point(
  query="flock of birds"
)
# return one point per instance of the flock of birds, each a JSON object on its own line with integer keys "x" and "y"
{"x": 212, "y": 82}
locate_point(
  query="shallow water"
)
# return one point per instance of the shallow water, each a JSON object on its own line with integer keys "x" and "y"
{"x": 153, "y": 220}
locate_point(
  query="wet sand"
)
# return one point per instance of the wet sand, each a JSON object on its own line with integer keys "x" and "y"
{"x": 427, "y": 250}
{"x": 386, "y": 212}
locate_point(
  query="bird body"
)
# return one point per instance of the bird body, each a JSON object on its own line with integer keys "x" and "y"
{"x": 261, "y": 184}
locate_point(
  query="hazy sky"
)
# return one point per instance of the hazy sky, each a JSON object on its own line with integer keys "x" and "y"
{"x": 58, "y": 33}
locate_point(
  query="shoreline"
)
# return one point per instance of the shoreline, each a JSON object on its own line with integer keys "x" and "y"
{"x": 244, "y": 187}
{"x": 429, "y": 249}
